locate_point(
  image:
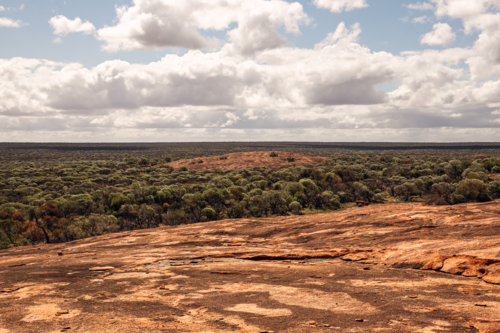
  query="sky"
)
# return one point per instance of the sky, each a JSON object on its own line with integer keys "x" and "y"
{"x": 249, "y": 70}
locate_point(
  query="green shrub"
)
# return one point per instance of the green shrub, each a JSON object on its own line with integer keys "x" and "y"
{"x": 295, "y": 207}
{"x": 471, "y": 190}
{"x": 494, "y": 189}
{"x": 255, "y": 211}
{"x": 209, "y": 213}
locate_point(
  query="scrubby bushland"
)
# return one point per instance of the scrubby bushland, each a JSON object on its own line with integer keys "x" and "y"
{"x": 58, "y": 195}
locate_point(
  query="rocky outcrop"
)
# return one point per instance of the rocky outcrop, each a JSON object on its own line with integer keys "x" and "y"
{"x": 250, "y": 160}
{"x": 391, "y": 268}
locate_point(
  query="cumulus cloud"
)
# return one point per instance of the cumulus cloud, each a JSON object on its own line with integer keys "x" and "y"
{"x": 338, "y": 6}
{"x": 333, "y": 85}
{"x": 341, "y": 34}
{"x": 257, "y": 30}
{"x": 257, "y": 84}
{"x": 477, "y": 16}
{"x": 63, "y": 26}
{"x": 2, "y": 8}
{"x": 10, "y": 23}
{"x": 464, "y": 8}
{"x": 441, "y": 35}
{"x": 154, "y": 24}
{"x": 275, "y": 78}
{"x": 149, "y": 24}
{"x": 420, "y": 6}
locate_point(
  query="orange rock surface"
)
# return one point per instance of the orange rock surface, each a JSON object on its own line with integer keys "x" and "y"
{"x": 248, "y": 160}
{"x": 381, "y": 268}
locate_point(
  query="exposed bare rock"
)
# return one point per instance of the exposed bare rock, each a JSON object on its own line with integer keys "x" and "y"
{"x": 248, "y": 160}
{"x": 485, "y": 326}
{"x": 465, "y": 265}
{"x": 435, "y": 262}
{"x": 9, "y": 290}
{"x": 494, "y": 176}
{"x": 387, "y": 268}
{"x": 101, "y": 269}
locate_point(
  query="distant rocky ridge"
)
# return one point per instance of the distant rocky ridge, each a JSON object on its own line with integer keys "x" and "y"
{"x": 250, "y": 160}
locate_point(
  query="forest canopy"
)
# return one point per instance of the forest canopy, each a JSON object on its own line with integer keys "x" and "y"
{"x": 62, "y": 192}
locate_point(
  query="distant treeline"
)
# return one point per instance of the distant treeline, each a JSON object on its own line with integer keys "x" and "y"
{"x": 252, "y": 146}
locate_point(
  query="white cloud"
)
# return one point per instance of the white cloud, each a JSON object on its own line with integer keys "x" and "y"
{"x": 152, "y": 24}
{"x": 276, "y": 78}
{"x": 231, "y": 119}
{"x": 255, "y": 85}
{"x": 341, "y": 34}
{"x": 2, "y": 8}
{"x": 309, "y": 91}
{"x": 420, "y": 6}
{"x": 441, "y": 35}
{"x": 338, "y": 6}
{"x": 63, "y": 26}
{"x": 420, "y": 19}
{"x": 257, "y": 30}
{"x": 464, "y": 8}
{"x": 480, "y": 16}
{"x": 10, "y": 23}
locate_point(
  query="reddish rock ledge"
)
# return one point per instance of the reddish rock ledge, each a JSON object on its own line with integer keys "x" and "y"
{"x": 249, "y": 160}
{"x": 381, "y": 268}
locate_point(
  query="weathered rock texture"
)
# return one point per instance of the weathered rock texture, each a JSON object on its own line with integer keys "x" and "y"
{"x": 494, "y": 176}
{"x": 238, "y": 161}
{"x": 384, "y": 268}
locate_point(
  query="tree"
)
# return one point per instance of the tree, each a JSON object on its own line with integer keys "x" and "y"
{"x": 406, "y": 190}
{"x": 310, "y": 190}
{"x": 194, "y": 203}
{"x": 237, "y": 211}
{"x": 471, "y": 190}
{"x": 475, "y": 171}
{"x": 454, "y": 169}
{"x": 116, "y": 200}
{"x": 11, "y": 228}
{"x": 295, "y": 207}
{"x": 137, "y": 190}
{"x": 294, "y": 187}
{"x": 348, "y": 175}
{"x": 148, "y": 216}
{"x": 94, "y": 224}
{"x": 332, "y": 181}
{"x": 275, "y": 201}
{"x": 215, "y": 197}
{"x": 329, "y": 200}
{"x": 209, "y": 214}
{"x": 222, "y": 182}
{"x": 46, "y": 217}
{"x": 130, "y": 217}
{"x": 361, "y": 192}
{"x": 440, "y": 194}
{"x": 494, "y": 189}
